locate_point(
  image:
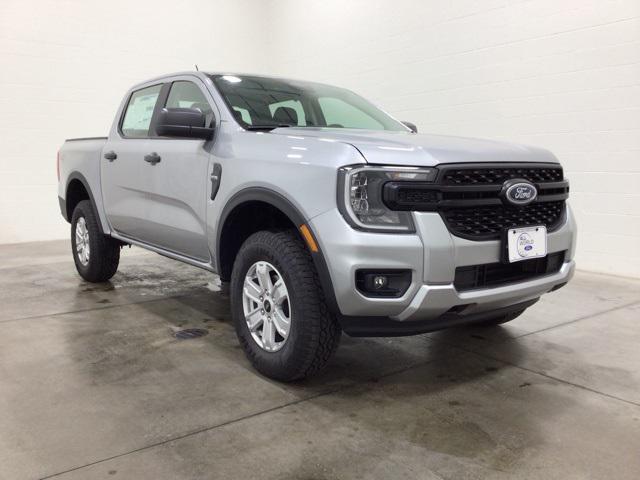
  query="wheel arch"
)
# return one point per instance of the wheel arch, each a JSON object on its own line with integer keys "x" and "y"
{"x": 78, "y": 189}
{"x": 260, "y": 197}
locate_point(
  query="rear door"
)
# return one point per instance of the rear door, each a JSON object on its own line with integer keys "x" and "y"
{"x": 176, "y": 185}
{"x": 124, "y": 172}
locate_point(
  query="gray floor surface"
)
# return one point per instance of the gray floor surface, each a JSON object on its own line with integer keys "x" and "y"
{"x": 93, "y": 384}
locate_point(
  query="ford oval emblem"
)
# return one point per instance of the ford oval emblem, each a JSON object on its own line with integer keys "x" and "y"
{"x": 518, "y": 192}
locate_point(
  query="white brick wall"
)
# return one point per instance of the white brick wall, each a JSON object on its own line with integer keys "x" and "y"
{"x": 564, "y": 75}
{"x": 65, "y": 65}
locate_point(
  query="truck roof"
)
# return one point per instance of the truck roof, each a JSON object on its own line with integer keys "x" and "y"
{"x": 203, "y": 74}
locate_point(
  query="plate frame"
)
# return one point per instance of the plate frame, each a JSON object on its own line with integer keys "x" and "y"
{"x": 504, "y": 244}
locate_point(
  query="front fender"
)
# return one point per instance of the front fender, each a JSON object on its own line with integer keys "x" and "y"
{"x": 260, "y": 194}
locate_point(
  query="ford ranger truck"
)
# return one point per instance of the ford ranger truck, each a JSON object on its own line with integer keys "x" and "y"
{"x": 322, "y": 212}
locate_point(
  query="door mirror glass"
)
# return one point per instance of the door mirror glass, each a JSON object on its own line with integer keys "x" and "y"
{"x": 411, "y": 126}
{"x": 183, "y": 122}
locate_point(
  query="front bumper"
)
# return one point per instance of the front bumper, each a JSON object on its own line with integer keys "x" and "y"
{"x": 432, "y": 255}
{"x": 431, "y": 301}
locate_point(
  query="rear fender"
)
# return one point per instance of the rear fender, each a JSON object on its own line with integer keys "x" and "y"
{"x": 67, "y": 212}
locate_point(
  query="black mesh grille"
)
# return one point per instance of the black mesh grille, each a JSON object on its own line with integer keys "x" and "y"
{"x": 496, "y": 274}
{"x": 488, "y": 176}
{"x": 416, "y": 196}
{"x": 486, "y": 222}
{"x": 472, "y": 200}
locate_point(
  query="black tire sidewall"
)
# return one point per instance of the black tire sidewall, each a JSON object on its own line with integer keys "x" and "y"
{"x": 287, "y": 359}
{"x": 104, "y": 256}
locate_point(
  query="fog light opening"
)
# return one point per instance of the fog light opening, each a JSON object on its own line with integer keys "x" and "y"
{"x": 390, "y": 283}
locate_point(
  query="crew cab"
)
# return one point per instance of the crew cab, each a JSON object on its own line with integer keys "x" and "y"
{"x": 324, "y": 213}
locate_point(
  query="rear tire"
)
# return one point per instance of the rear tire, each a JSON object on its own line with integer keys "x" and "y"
{"x": 312, "y": 334}
{"x": 96, "y": 255}
{"x": 499, "y": 320}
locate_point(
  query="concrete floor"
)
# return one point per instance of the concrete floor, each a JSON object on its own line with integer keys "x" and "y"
{"x": 94, "y": 385}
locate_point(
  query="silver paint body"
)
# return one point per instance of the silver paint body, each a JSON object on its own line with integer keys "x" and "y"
{"x": 167, "y": 208}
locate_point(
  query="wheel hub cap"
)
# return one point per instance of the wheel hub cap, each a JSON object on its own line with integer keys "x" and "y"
{"x": 265, "y": 302}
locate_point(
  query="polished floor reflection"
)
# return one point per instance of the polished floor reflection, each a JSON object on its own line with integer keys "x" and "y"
{"x": 94, "y": 383}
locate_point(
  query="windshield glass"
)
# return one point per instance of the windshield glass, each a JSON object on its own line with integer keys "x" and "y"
{"x": 269, "y": 102}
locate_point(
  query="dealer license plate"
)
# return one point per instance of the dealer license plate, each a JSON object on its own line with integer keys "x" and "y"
{"x": 525, "y": 243}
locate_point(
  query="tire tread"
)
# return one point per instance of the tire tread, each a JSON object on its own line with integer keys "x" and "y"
{"x": 105, "y": 251}
{"x": 321, "y": 334}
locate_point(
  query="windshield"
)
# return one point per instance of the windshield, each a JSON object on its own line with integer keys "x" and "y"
{"x": 259, "y": 102}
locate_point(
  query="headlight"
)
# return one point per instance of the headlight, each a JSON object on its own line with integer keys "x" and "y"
{"x": 360, "y": 196}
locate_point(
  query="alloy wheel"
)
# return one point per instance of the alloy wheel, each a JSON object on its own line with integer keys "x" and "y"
{"x": 266, "y": 305}
{"x": 82, "y": 241}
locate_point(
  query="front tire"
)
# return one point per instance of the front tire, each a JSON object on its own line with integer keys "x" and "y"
{"x": 278, "y": 306}
{"x": 96, "y": 255}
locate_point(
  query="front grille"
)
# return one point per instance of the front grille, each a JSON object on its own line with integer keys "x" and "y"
{"x": 416, "y": 196}
{"x": 469, "y": 197}
{"x": 492, "y": 176}
{"x": 488, "y": 222}
{"x": 495, "y": 274}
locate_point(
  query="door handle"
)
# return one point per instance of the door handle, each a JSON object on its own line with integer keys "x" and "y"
{"x": 111, "y": 156}
{"x": 152, "y": 158}
{"x": 216, "y": 177}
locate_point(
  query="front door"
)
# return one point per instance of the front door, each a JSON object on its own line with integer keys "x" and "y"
{"x": 178, "y": 181}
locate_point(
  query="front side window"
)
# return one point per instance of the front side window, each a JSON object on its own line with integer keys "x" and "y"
{"x": 185, "y": 94}
{"x": 261, "y": 102}
{"x": 137, "y": 117}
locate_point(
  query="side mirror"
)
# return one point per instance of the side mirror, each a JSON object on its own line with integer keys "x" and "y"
{"x": 411, "y": 126}
{"x": 183, "y": 122}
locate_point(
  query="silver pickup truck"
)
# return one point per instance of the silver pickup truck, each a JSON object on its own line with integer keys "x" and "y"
{"x": 323, "y": 212}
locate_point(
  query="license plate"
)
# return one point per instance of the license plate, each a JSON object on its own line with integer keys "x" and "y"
{"x": 525, "y": 243}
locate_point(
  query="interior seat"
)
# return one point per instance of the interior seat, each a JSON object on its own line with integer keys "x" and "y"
{"x": 285, "y": 115}
{"x": 206, "y": 109}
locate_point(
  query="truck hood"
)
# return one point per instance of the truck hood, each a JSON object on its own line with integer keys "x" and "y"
{"x": 403, "y": 148}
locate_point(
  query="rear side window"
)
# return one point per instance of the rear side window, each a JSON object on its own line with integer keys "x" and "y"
{"x": 187, "y": 95}
{"x": 137, "y": 117}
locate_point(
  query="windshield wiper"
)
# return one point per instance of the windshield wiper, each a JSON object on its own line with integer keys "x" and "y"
{"x": 265, "y": 127}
